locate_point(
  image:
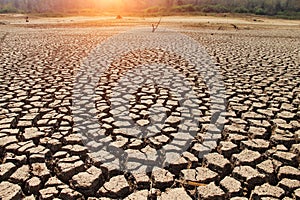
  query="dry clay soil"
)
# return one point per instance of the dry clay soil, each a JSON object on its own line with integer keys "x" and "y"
{"x": 256, "y": 156}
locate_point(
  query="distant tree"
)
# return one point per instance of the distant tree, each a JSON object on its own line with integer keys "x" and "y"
{"x": 169, "y": 3}
{"x": 255, "y": 6}
{"x": 278, "y": 6}
{"x": 179, "y": 2}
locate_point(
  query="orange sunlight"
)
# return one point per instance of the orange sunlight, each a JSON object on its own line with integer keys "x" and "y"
{"x": 113, "y": 5}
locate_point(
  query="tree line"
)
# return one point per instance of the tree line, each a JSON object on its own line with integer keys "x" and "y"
{"x": 262, "y": 7}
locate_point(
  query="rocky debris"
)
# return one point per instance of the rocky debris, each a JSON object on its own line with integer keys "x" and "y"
{"x": 259, "y": 145}
{"x": 231, "y": 186}
{"x": 176, "y": 166}
{"x": 10, "y": 191}
{"x": 176, "y": 193}
{"x": 210, "y": 191}
{"x": 7, "y": 122}
{"x": 48, "y": 193}
{"x": 138, "y": 195}
{"x": 76, "y": 150}
{"x": 88, "y": 182}
{"x": 296, "y": 149}
{"x": 217, "y": 163}
{"x": 288, "y": 172}
{"x": 142, "y": 181}
{"x": 286, "y": 158}
{"x": 116, "y": 187}
{"x": 32, "y": 133}
{"x": 154, "y": 193}
{"x": 72, "y": 139}
{"x": 40, "y": 170}
{"x": 199, "y": 150}
{"x": 296, "y": 194}
{"x": 205, "y": 175}
{"x": 281, "y": 147}
{"x": 289, "y": 184}
{"x": 285, "y": 139}
{"x": 227, "y": 149}
{"x": 17, "y": 160}
{"x": 70, "y": 194}
{"x": 200, "y": 174}
{"x": 6, "y": 140}
{"x": 268, "y": 167}
{"x": 162, "y": 178}
{"x": 143, "y": 122}
{"x": 267, "y": 190}
{"x": 33, "y": 185}
{"x": 173, "y": 120}
{"x": 53, "y": 182}
{"x": 258, "y": 132}
{"x": 6, "y": 170}
{"x": 68, "y": 167}
{"x": 191, "y": 158}
{"x": 53, "y": 144}
{"x": 286, "y": 198}
{"x": 247, "y": 157}
{"x": 237, "y": 138}
{"x": 31, "y": 197}
{"x": 239, "y": 198}
{"x": 110, "y": 170}
{"x": 189, "y": 174}
{"x": 286, "y": 115}
{"x": 25, "y": 146}
{"x": 21, "y": 175}
{"x": 248, "y": 175}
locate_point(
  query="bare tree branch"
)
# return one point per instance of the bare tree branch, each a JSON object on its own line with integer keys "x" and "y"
{"x": 154, "y": 27}
{"x": 3, "y": 38}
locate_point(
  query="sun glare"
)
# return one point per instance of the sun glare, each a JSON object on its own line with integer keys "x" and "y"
{"x": 119, "y": 6}
{"x": 112, "y": 4}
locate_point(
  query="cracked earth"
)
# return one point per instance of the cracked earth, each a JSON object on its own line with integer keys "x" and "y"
{"x": 58, "y": 143}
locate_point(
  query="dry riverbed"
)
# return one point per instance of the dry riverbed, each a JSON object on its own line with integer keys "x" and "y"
{"x": 42, "y": 156}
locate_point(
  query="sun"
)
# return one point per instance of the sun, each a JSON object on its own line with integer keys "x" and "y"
{"x": 111, "y": 3}
{"x": 120, "y": 6}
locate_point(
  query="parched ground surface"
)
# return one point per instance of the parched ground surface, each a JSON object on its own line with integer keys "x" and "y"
{"x": 43, "y": 156}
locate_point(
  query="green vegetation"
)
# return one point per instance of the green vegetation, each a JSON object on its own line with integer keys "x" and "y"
{"x": 282, "y": 8}
{"x": 8, "y": 8}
